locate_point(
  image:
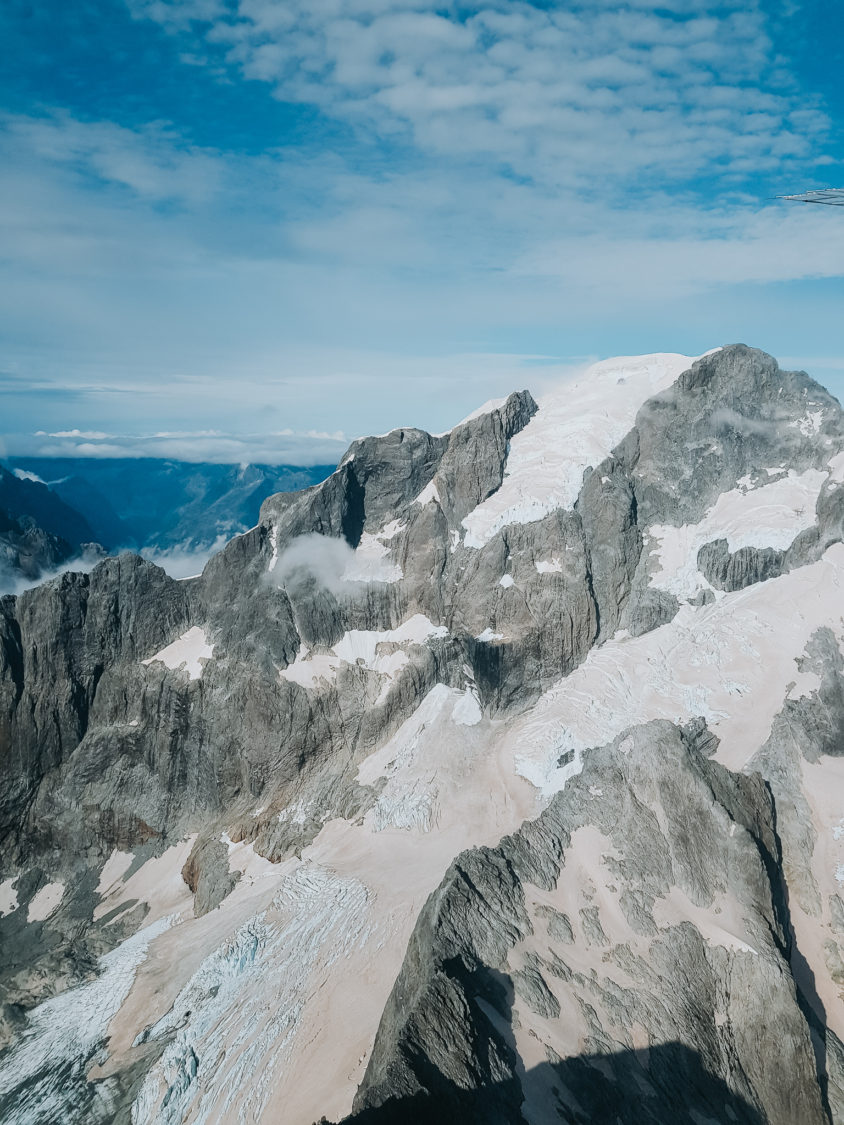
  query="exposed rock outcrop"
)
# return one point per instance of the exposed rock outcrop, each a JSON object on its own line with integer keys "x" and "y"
{"x": 227, "y": 800}
{"x": 642, "y": 910}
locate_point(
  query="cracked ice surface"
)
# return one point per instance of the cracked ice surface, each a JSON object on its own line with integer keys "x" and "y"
{"x": 702, "y": 663}
{"x": 246, "y": 1006}
{"x": 64, "y": 1032}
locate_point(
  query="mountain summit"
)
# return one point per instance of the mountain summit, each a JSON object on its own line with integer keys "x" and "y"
{"x": 497, "y": 778}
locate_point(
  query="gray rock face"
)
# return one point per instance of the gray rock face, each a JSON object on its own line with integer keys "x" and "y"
{"x": 733, "y": 417}
{"x": 734, "y": 571}
{"x": 64, "y": 649}
{"x": 234, "y": 762}
{"x": 732, "y": 413}
{"x": 489, "y": 967}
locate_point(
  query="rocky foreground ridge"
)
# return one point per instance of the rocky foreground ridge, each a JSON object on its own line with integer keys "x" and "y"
{"x": 497, "y": 778}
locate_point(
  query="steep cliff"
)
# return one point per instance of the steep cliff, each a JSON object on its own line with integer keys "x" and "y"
{"x": 326, "y": 830}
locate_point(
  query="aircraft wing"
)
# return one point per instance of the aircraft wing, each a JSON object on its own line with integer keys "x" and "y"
{"x": 834, "y": 197}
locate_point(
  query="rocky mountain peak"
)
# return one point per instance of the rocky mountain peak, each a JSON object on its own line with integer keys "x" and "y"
{"x": 497, "y": 775}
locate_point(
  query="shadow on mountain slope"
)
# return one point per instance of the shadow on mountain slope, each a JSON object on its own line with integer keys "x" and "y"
{"x": 664, "y": 1085}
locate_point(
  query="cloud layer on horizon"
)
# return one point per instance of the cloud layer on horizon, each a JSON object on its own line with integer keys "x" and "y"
{"x": 496, "y": 178}
{"x": 282, "y": 448}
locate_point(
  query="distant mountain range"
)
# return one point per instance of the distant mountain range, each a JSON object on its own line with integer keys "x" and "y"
{"x": 38, "y": 530}
{"x": 51, "y": 509}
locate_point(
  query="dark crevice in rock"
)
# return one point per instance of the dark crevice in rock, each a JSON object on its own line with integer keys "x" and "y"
{"x": 808, "y": 999}
{"x": 12, "y": 650}
{"x": 354, "y": 509}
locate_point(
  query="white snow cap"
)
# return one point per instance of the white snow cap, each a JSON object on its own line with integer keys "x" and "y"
{"x": 575, "y": 428}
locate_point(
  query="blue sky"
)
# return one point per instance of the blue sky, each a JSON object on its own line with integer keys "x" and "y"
{"x": 247, "y": 229}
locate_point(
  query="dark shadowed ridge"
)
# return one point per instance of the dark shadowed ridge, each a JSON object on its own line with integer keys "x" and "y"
{"x": 652, "y": 1093}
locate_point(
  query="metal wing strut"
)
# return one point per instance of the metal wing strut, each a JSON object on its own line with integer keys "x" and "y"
{"x": 833, "y": 197}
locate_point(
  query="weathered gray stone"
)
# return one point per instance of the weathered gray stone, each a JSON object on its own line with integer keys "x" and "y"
{"x": 100, "y": 750}
{"x": 714, "y": 1000}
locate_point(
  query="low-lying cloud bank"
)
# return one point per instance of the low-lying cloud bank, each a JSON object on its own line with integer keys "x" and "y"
{"x": 284, "y": 447}
{"x": 184, "y": 561}
{"x": 12, "y": 582}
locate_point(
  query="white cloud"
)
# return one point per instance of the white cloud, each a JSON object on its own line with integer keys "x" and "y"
{"x": 292, "y": 448}
{"x": 560, "y": 94}
{"x": 570, "y": 178}
{"x": 331, "y": 563}
{"x": 90, "y": 435}
{"x": 184, "y": 561}
{"x": 317, "y": 557}
{"x": 12, "y": 582}
{"x": 152, "y": 162}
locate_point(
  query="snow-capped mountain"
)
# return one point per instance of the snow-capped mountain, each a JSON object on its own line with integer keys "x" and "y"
{"x": 497, "y": 778}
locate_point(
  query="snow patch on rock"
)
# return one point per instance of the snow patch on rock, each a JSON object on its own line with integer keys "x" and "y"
{"x": 390, "y": 530}
{"x": 363, "y": 647}
{"x": 274, "y": 540}
{"x": 45, "y": 902}
{"x": 548, "y": 566}
{"x": 244, "y": 858}
{"x": 810, "y": 424}
{"x": 362, "y": 644}
{"x": 310, "y": 668}
{"x": 428, "y": 495}
{"x": 467, "y": 710}
{"x": 8, "y": 896}
{"x": 158, "y": 883}
{"x": 114, "y": 868}
{"x": 487, "y": 408}
{"x": 189, "y": 653}
{"x": 488, "y": 636}
{"x": 398, "y": 754}
{"x": 772, "y": 515}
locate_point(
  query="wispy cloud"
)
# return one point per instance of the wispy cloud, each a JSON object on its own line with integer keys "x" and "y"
{"x": 153, "y": 162}
{"x": 475, "y": 182}
{"x": 185, "y": 561}
{"x": 13, "y": 582}
{"x": 287, "y": 448}
{"x": 88, "y": 435}
{"x": 561, "y": 94}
